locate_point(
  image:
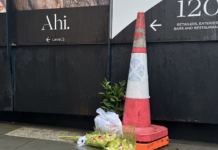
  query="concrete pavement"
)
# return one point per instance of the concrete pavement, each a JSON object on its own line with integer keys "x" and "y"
{"x": 26, "y": 137}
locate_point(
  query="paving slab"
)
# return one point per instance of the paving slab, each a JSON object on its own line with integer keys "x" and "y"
{"x": 12, "y": 143}
{"x": 194, "y": 143}
{"x": 175, "y": 146}
{"x": 52, "y": 145}
{"x": 27, "y": 137}
{"x": 46, "y": 134}
{"x": 189, "y": 145}
{"x": 8, "y": 127}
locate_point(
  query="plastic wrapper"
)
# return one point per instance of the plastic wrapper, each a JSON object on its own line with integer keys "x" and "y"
{"x": 108, "y": 122}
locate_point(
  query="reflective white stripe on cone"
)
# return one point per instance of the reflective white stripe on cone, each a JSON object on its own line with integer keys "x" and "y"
{"x": 137, "y": 86}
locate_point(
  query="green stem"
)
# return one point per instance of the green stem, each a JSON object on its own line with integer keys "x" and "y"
{"x": 116, "y": 106}
{"x": 76, "y": 138}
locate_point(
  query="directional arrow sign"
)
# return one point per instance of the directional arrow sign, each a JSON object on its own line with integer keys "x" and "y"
{"x": 48, "y": 39}
{"x": 153, "y": 25}
{"x": 125, "y": 12}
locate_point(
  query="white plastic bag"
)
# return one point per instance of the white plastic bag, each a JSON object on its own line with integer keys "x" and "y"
{"x": 108, "y": 122}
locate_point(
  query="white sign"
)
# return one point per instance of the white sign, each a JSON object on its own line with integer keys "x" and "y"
{"x": 125, "y": 12}
{"x": 2, "y": 8}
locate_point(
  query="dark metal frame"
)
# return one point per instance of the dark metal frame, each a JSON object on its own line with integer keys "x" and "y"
{"x": 110, "y": 41}
{"x": 9, "y": 24}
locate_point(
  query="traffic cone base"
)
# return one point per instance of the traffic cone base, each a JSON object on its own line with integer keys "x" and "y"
{"x": 153, "y": 145}
{"x": 151, "y": 133}
{"x": 137, "y": 114}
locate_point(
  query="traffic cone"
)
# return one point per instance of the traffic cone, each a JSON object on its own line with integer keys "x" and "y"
{"x": 137, "y": 106}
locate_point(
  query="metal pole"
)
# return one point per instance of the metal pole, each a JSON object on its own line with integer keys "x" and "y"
{"x": 109, "y": 41}
{"x": 9, "y": 23}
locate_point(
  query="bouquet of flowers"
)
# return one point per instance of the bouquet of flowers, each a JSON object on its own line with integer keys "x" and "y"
{"x": 110, "y": 135}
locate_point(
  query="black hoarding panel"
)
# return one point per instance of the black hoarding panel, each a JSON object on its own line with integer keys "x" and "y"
{"x": 82, "y": 25}
{"x": 6, "y": 96}
{"x": 177, "y": 20}
{"x": 3, "y": 36}
{"x": 121, "y": 54}
{"x": 182, "y": 79}
{"x": 60, "y": 79}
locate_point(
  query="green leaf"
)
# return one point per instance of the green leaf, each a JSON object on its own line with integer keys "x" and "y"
{"x": 105, "y": 80}
{"x": 107, "y": 104}
{"x": 103, "y": 107}
{"x": 108, "y": 93}
{"x": 121, "y": 109}
{"x": 105, "y": 101}
{"x": 123, "y": 83}
{"x": 107, "y": 83}
{"x": 113, "y": 100}
{"x": 120, "y": 95}
{"x": 116, "y": 87}
{"x": 101, "y": 93}
{"x": 115, "y": 97}
{"x": 103, "y": 85}
{"x": 111, "y": 105}
{"x": 112, "y": 110}
{"x": 120, "y": 90}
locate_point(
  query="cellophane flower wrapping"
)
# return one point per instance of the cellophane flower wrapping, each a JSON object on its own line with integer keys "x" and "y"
{"x": 108, "y": 141}
{"x": 126, "y": 142}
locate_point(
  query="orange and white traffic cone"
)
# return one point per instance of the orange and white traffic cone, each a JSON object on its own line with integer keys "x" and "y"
{"x": 137, "y": 106}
